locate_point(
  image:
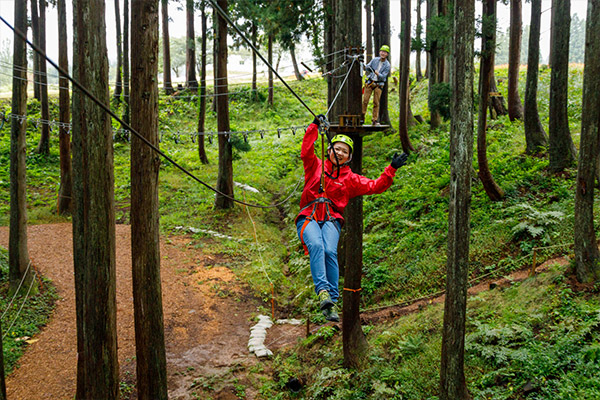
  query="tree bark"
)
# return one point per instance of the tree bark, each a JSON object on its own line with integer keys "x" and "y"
{"x": 419, "y": 31}
{"x": 254, "y": 33}
{"x": 2, "y": 380}
{"x": 562, "y": 152}
{"x": 515, "y": 109}
{"x": 190, "y": 58}
{"x": 270, "y": 59}
{"x": 119, "y": 81}
{"x": 433, "y": 66}
{"x": 93, "y": 213}
{"x": 535, "y": 136}
{"x": 35, "y": 33}
{"x": 587, "y": 267}
{"x": 64, "y": 135}
{"x": 145, "y": 164}
{"x": 167, "y": 80}
{"x": 18, "y": 254}
{"x": 202, "y": 106}
{"x": 452, "y": 377}
{"x": 369, "y": 13}
{"x": 488, "y": 46}
{"x": 299, "y": 76}
{"x": 44, "y": 143}
{"x": 403, "y": 92}
{"x": 329, "y": 39}
{"x": 126, "y": 60}
{"x": 382, "y": 35}
{"x": 225, "y": 176}
{"x": 497, "y": 106}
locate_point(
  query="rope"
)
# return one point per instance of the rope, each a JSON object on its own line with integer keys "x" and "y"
{"x": 106, "y": 109}
{"x": 249, "y": 43}
{"x": 342, "y": 85}
{"x": 22, "y": 304}
{"x": 16, "y": 291}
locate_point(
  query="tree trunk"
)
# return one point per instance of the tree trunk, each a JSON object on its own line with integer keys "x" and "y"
{"x": 382, "y": 33}
{"x": 145, "y": 164}
{"x": 254, "y": 33}
{"x": 329, "y": 39}
{"x": 515, "y": 109}
{"x": 167, "y": 80}
{"x": 299, "y": 76}
{"x": 349, "y": 34}
{"x": 225, "y": 176}
{"x": 552, "y": 18}
{"x": 64, "y": 136}
{"x": 587, "y": 267}
{"x": 452, "y": 376}
{"x": 18, "y": 254}
{"x": 44, "y": 143}
{"x": 119, "y": 81}
{"x": 535, "y": 137}
{"x": 562, "y": 151}
{"x": 369, "y": 13}
{"x": 403, "y": 94}
{"x": 433, "y": 71}
{"x": 2, "y": 380}
{"x": 93, "y": 211}
{"x": 270, "y": 59}
{"x": 190, "y": 55}
{"x": 215, "y": 56}
{"x": 202, "y": 106}
{"x": 126, "y": 60}
{"x": 419, "y": 31}
{"x": 488, "y": 46}
{"x": 497, "y": 106}
{"x": 35, "y": 33}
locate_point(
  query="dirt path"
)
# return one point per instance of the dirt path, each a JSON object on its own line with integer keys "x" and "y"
{"x": 206, "y": 324}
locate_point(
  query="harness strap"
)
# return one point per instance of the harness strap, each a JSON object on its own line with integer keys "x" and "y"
{"x": 310, "y": 217}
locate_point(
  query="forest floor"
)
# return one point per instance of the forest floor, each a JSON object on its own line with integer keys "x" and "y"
{"x": 207, "y": 315}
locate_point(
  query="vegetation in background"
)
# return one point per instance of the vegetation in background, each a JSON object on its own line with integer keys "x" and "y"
{"x": 404, "y": 242}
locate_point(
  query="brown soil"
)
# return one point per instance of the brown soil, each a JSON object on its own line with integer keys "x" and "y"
{"x": 206, "y": 324}
{"x": 207, "y": 316}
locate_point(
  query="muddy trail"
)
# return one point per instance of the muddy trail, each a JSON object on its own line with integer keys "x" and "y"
{"x": 207, "y": 318}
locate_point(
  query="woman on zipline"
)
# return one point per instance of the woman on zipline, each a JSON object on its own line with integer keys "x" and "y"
{"x": 326, "y": 193}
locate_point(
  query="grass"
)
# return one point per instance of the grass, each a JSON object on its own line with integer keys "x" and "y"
{"x": 405, "y": 228}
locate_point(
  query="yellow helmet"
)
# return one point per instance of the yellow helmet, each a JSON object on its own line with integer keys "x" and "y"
{"x": 385, "y": 48}
{"x": 343, "y": 139}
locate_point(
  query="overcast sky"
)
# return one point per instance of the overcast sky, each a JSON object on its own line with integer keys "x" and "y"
{"x": 177, "y": 25}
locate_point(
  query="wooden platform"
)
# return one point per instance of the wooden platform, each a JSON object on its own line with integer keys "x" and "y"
{"x": 361, "y": 130}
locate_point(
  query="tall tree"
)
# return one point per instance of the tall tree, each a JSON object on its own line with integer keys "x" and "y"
{"x": 403, "y": 93}
{"x": 419, "y": 44}
{"x": 202, "y": 98}
{"x": 587, "y": 266}
{"x": 225, "y": 176}
{"x": 270, "y": 74}
{"x": 382, "y": 34}
{"x": 488, "y": 46}
{"x": 93, "y": 211}
{"x": 119, "y": 80}
{"x": 329, "y": 41}
{"x": 190, "y": 59}
{"x": 64, "y": 104}
{"x": 167, "y": 81}
{"x": 126, "y": 60}
{"x": 35, "y": 28}
{"x": 535, "y": 136}
{"x": 452, "y": 376}
{"x": 145, "y": 164}
{"x": 18, "y": 254}
{"x": 436, "y": 44}
{"x": 297, "y": 73}
{"x": 562, "y": 152}
{"x": 515, "y": 109}
{"x": 44, "y": 143}
{"x": 254, "y": 38}
{"x": 368, "y": 26}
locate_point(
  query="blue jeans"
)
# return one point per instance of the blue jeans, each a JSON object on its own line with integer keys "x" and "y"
{"x": 321, "y": 239}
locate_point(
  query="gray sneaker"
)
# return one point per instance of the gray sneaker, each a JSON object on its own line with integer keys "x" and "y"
{"x": 331, "y": 314}
{"x": 325, "y": 300}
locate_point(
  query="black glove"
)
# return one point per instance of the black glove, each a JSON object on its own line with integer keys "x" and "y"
{"x": 318, "y": 119}
{"x": 399, "y": 160}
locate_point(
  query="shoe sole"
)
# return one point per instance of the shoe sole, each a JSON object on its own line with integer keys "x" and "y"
{"x": 326, "y": 304}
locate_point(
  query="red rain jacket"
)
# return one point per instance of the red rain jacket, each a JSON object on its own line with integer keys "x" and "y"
{"x": 340, "y": 190}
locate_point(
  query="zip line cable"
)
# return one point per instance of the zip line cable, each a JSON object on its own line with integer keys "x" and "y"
{"x": 224, "y": 15}
{"x": 16, "y": 291}
{"x": 341, "y": 86}
{"x": 22, "y": 304}
{"x": 106, "y": 109}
